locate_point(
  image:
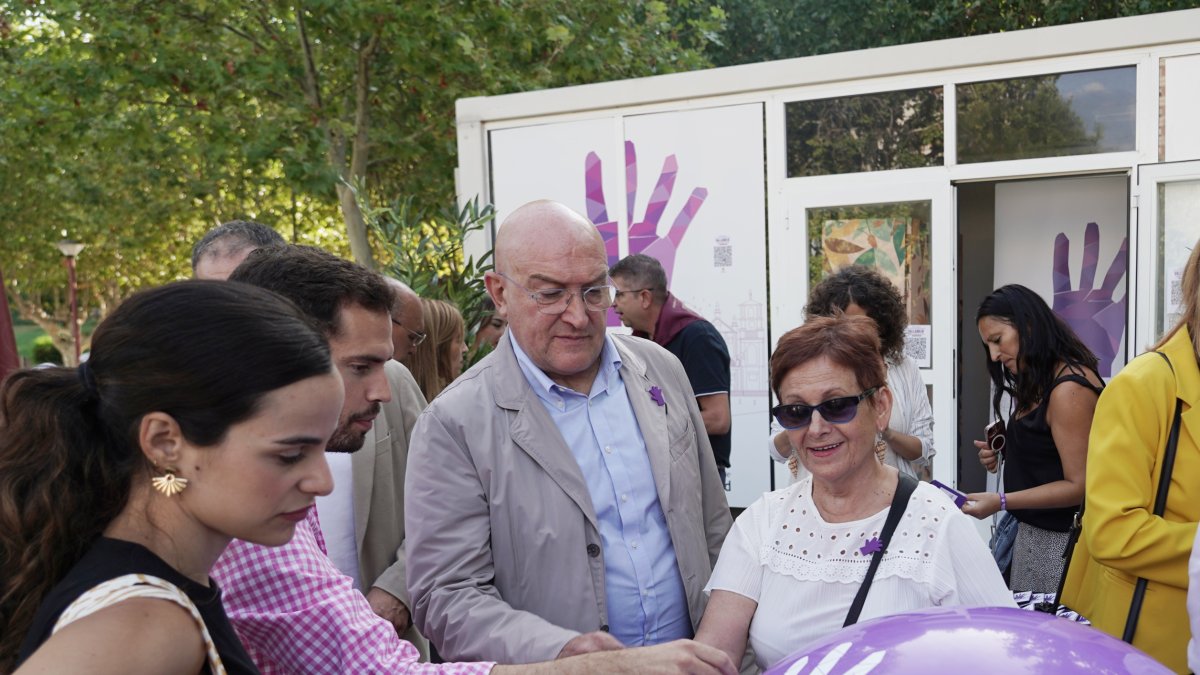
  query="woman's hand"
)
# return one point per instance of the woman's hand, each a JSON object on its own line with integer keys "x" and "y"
{"x": 987, "y": 456}
{"x": 981, "y": 504}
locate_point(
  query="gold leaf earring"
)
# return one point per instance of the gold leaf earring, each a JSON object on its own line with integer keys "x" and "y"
{"x": 169, "y": 484}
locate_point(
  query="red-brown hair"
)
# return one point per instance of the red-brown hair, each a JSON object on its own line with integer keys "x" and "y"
{"x": 849, "y": 341}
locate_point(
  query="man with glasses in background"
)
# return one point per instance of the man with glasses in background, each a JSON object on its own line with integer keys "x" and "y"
{"x": 408, "y": 322}
{"x": 562, "y": 495}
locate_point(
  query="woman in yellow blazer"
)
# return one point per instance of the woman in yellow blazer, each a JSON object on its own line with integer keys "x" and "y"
{"x": 1122, "y": 538}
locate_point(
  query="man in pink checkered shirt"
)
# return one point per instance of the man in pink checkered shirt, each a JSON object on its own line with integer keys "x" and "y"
{"x": 294, "y": 611}
{"x": 291, "y": 606}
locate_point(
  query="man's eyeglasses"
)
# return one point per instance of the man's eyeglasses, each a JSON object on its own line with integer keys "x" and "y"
{"x": 836, "y": 410}
{"x": 556, "y": 300}
{"x": 413, "y": 336}
{"x": 618, "y": 294}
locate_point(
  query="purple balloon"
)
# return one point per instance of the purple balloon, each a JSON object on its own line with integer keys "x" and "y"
{"x": 974, "y": 641}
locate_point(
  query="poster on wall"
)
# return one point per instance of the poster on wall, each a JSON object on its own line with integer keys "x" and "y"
{"x": 897, "y": 247}
{"x": 1067, "y": 240}
{"x": 688, "y": 189}
{"x": 546, "y": 161}
{"x": 717, "y": 262}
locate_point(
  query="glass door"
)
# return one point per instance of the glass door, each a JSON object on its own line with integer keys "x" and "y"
{"x": 1168, "y": 221}
{"x": 905, "y": 231}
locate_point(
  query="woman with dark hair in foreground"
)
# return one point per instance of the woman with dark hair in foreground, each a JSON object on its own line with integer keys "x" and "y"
{"x": 201, "y": 415}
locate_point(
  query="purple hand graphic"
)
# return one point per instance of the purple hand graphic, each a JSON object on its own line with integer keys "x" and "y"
{"x": 1092, "y": 313}
{"x": 643, "y": 235}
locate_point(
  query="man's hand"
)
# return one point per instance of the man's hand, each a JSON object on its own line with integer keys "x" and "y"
{"x": 390, "y": 608}
{"x": 680, "y": 656}
{"x": 596, "y": 641}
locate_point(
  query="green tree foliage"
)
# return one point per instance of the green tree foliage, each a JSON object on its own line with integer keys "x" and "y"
{"x": 135, "y": 126}
{"x": 870, "y": 132}
{"x": 44, "y": 351}
{"x": 1025, "y": 117}
{"x": 766, "y": 30}
{"x": 426, "y": 252}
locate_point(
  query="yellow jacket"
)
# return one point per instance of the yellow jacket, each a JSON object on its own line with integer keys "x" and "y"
{"x": 1122, "y": 539}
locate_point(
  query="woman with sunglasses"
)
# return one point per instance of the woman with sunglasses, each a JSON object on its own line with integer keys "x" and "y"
{"x": 1050, "y": 378}
{"x": 795, "y": 559}
{"x": 908, "y": 438}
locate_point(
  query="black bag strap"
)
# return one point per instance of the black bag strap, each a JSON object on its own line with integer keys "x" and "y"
{"x": 1068, "y": 552}
{"x": 904, "y": 489}
{"x": 1160, "y": 506}
{"x": 1077, "y": 521}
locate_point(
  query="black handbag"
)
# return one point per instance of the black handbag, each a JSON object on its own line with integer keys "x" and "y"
{"x": 1160, "y": 506}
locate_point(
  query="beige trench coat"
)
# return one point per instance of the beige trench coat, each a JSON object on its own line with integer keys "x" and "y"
{"x": 505, "y": 560}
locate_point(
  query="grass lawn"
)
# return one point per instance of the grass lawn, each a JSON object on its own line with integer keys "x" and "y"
{"x": 26, "y": 333}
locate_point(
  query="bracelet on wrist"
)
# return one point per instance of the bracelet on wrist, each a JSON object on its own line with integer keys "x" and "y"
{"x": 1003, "y": 502}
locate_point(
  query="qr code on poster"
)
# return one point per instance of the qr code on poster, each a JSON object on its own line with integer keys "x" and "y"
{"x": 916, "y": 345}
{"x": 723, "y": 253}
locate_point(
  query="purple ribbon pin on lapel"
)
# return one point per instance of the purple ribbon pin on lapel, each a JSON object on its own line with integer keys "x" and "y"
{"x": 873, "y": 544}
{"x": 656, "y": 396}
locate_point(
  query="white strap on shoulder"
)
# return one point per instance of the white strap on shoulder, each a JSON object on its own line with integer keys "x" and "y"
{"x": 129, "y": 586}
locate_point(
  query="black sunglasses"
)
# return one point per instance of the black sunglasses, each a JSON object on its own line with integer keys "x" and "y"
{"x": 836, "y": 410}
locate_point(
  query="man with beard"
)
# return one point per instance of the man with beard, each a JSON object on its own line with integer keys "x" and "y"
{"x": 291, "y": 609}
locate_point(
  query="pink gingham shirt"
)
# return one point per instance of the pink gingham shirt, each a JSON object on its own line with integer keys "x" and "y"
{"x": 296, "y": 613}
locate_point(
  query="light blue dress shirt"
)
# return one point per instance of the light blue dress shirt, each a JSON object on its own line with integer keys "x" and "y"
{"x": 646, "y": 601}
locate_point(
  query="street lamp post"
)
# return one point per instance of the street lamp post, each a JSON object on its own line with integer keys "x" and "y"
{"x": 70, "y": 249}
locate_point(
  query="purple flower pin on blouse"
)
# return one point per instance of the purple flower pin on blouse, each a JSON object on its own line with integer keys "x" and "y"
{"x": 656, "y": 396}
{"x": 873, "y": 544}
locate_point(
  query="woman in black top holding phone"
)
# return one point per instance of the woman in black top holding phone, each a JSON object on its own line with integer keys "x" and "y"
{"x": 1051, "y": 379}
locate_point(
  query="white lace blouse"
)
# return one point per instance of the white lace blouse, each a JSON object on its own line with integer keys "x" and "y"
{"x": 804, "y": 572}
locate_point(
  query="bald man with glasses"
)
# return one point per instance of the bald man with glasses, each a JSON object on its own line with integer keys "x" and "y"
{"x": 408, "y": 322}
{"x": 562, "y": 495}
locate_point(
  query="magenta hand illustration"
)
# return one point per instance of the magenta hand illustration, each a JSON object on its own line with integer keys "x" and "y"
{"x": 1091, "y": 312}
{"x": 643, "y": 235}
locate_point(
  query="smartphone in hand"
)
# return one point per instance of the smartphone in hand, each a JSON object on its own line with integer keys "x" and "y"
{"x": 955, "y": 496}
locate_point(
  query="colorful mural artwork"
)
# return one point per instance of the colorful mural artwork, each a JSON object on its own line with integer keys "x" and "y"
{"x": 896, "y": 246}
{"x": 1091, "y": 312}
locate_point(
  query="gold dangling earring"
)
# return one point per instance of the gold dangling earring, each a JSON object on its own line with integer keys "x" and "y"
{"x": 169, "y": 484}
{"x": 880, "y": 448}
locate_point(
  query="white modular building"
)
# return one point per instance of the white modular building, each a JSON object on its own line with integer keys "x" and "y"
{"x": 1066, "y": 159}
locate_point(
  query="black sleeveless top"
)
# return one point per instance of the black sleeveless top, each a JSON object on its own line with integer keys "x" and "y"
{"x": 112, "y": 558}
{"x": 1031, "y": 459}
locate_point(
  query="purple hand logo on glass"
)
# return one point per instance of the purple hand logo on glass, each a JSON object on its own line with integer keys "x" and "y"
{"x": 1092, "y": 313}
{"x": 643, "y": 234}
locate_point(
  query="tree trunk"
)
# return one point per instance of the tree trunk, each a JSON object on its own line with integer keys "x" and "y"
{"x": 356, "y": 173}
{"x": 58, "y": 329}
